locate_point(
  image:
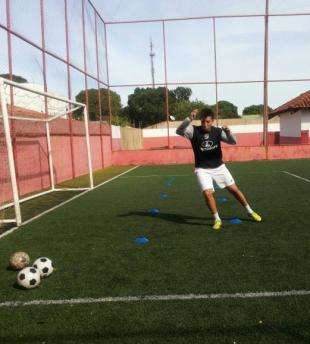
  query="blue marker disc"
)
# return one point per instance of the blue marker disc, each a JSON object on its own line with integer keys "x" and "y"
{"x": 154, "y": 211}
{"x": 141, "y": 240}
{"x": 163, "y": 195}
{"x": 170, "y": 181}
{"x": 222, "y": 200}
{"x": 235, "y": 221}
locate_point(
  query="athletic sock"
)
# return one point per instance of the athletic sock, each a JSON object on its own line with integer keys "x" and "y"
{"x": 216, "y": 216}
{"x": 249, "y": 209}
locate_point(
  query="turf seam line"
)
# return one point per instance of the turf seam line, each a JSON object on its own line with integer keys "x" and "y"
{"x": 63, "y": 203}
{"x": 159, "y": 175}
{"x": 296, "y": 176}
{"x": 183, "y": 175}
{"x": 156, "y": 298}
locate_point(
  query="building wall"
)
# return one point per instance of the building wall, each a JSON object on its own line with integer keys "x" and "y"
{"x": 246, "y": 135}
{"x": 294, "y": 128}
{"x": 250, "y": 135}
{"x": 305, "y": 121}
{"x": 290, "y": 124}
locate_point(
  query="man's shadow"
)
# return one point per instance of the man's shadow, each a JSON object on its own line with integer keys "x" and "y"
{"x": 179, "y": 218}
{"x": 176, "y": 218}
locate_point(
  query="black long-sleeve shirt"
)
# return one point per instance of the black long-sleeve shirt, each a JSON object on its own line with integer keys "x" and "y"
{"x": 206, "y": 145}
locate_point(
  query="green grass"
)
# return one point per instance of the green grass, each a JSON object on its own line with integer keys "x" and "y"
{"x": 91, "y": 241}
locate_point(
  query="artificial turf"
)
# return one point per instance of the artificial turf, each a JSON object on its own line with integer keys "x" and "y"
{"x": 92, "y": 243}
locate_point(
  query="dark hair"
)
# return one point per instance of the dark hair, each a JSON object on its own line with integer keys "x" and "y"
{"x": 206, "y": 112}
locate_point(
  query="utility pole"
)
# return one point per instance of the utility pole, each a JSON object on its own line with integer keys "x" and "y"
{"x": 152, "y": 54}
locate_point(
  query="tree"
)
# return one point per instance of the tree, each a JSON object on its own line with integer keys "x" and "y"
{"x": 182, "y": 93}
{"x": 226, "y": 109}
{"x": 182, "y": 108}
{"x": 255, "y": 110}
{"x": 93, "y": 104}
{"x": 15, "y": 78}
{"x": 146, "y": 106}
{"x": 198, "y": 104}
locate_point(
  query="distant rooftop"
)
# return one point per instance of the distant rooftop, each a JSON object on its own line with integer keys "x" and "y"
{"x": 300, "y": 102}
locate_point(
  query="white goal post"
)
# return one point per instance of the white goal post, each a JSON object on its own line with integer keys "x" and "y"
{"x": 51, "y": 112}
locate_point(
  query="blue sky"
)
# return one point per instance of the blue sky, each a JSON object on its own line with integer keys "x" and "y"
{"x": 189, "y": 46}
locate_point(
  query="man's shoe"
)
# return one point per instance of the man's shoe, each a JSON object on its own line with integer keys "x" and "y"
{"x": 255, "y": 217}
{"x": 217, "y": 225}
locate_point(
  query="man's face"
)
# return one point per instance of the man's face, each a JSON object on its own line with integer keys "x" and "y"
{"x": 206, "y": 123}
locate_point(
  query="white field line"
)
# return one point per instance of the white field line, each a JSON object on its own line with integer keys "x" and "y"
{"x": 63, "y": 203}
{"x": 156, "y": 298}
{"x": 296, "y": 176}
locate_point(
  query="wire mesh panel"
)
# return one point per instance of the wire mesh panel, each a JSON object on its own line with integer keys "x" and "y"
{"x": 41, "y": 133}
{"x": 30, "y": 153}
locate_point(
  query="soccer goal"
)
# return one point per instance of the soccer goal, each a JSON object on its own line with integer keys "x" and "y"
{"x": 40, "y": 149}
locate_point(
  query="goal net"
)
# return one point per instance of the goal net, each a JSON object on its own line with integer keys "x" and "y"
{"x": 42, "y": 149}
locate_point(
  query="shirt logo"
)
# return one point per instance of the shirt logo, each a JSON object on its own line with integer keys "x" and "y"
{"x": 207, "y": 145}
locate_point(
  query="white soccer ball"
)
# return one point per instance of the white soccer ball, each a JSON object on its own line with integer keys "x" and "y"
{"x": 29, "y": 277}
{"x": 44, "y": 265}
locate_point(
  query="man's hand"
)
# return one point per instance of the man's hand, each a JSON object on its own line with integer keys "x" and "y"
{"x": 226, "y": 129}
{"x": 193, "y": 114}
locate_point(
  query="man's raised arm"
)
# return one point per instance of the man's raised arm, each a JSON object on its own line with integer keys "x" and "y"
{"x": 227, "y": 136}
{"x": 186, "y": 128}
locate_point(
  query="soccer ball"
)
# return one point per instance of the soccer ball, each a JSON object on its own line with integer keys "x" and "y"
{"x": 44, "y": 265}
{"x": 29, "y": 278}
{"x": 19, "y": 260}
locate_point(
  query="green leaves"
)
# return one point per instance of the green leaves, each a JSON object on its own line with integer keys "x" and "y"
{"x": 93, "y": 103}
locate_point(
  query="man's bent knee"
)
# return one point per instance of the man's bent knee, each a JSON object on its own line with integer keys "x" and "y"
{"x": 208, "y": 193}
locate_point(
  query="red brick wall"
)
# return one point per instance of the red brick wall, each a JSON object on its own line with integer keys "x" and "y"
{"x": 231, "y": 153}
{"x": 30, "y": 148}
{"x": 303, "y": 139}
{"x": 31, "y": 157}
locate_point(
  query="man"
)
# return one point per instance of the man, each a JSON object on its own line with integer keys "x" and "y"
{"x": 206, "y": 143}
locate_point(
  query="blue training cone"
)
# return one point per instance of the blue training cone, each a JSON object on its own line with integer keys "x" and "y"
{"x": 163, "y": 195}
{"x": 222, "y": 200}
{"x": 141, "y": 240}
{"x": 154, "y": 211}
{"x": 170, "y": 181}
{"x": 235, "y": 221}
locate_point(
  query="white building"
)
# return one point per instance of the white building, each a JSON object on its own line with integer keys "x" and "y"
{"x": 294, "y": 119}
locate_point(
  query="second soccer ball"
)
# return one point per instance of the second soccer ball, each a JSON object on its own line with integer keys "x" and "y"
{"x": 44, "y": 265}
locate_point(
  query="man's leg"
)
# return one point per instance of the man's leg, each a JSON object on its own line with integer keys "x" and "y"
{"x": 206, "y": 185}
{"x": 210, "y": 201}
{"x": 234, "y": 190}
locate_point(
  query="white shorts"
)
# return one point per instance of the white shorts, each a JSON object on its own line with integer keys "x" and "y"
{"x": 219, "y": 175}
